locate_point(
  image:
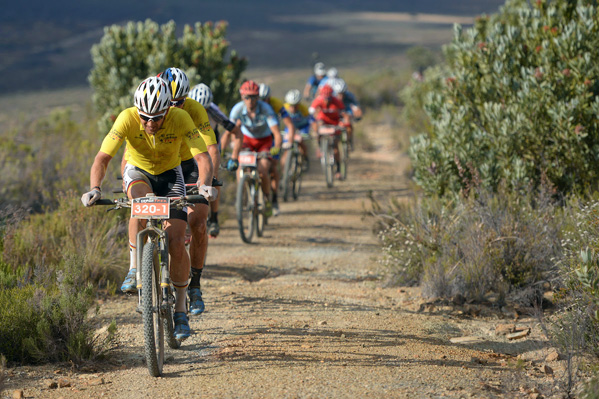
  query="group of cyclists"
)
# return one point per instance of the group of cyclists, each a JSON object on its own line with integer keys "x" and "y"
{"x": 172, "y": 141}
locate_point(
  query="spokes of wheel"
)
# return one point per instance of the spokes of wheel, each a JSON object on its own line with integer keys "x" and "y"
{"x": 244, "y": 206}
{"x": 151, "y": 301}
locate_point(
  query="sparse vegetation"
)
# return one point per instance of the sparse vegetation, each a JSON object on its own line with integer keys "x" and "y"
{"x": 481, "y": 244}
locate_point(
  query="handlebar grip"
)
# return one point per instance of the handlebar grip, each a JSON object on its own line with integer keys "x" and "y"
{"x": 197, "y": 199}
{"x": 103, "y": 201}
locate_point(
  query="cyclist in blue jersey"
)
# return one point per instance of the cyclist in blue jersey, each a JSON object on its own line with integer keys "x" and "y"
{"x": 313, "y": 81}
{"x": 202, "y": 94}
{"x": 260, "y": 126}
{"x": 301, "y": 118}
{"x": 279, "y": 108}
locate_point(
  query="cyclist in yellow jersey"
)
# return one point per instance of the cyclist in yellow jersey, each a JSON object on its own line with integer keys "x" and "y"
{"x": 153, "y": 132}
{"x": 197, "y": 217}
{"x": 277, "y": 106}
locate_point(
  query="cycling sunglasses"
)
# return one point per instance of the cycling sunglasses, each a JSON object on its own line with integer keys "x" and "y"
{"x": 252, "y": 97}
{"x": 177, "y": 103}
{"x": 154, "y": 118}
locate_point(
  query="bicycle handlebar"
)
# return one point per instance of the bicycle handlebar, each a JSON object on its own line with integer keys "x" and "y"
{"x": 175, "y": 201}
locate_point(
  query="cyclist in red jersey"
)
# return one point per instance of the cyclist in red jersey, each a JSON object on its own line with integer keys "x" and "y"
{"x": 329, "y": 110}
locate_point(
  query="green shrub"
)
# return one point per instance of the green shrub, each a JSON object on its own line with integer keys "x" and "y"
{"x": 128, "y": 54}
{"x": 517, "y": 101}
{"x": 47, "y": 321}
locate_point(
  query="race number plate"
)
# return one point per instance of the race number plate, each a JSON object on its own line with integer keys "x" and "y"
{"x": 326, "y": 130}
{"x": 151, "y": 208}
{"x": 247, "y": 158}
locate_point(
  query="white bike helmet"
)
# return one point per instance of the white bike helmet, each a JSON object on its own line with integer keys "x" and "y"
{"x": 178, "y": 81}
{"x": 202, "y": 94}
{"x": 264, "y": 91}
{"x": 152, "y": 96}
{"x": 319, "y": 69}
{"x": 338, "y": 85}
{"x": 332, "y": 73}
{"x": 293, "y": 97}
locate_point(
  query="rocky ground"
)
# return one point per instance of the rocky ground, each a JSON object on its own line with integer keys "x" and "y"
{"x": 303, "y": 312}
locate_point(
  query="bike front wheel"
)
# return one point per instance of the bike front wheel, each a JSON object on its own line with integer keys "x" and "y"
{"x": 151, "y": 301}
{"x": 244, "y": 206}
{"x": 260, "y": 216}
{"x": 298, "y": 165}
{"x": 287, "y": 175}
{"x": 343, "y": 156}
{"x": 328, "y": 160}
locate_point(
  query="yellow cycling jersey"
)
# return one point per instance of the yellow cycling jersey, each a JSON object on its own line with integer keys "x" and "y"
{"x": 276, "y": 104}
{"x": 154, "y": 153}
{"x": 200, "y": 118}
{"x": 300, "y": 108}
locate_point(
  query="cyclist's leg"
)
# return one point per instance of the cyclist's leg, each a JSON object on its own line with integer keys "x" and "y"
{"x": 136, "y": 185}
{"x": 179, "y": 272}
{"x": 213, "y": 227}
{"x": 198, "y": 246}
{"x": 179, "y": 269}
{"x": 197, "y": 250}
{"x": 264, "y": 167}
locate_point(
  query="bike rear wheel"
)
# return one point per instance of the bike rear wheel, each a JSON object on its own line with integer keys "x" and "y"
{"x": 151, "y": 301}
{"x": 168, "y": 301}
{"x": 244, "y": 205}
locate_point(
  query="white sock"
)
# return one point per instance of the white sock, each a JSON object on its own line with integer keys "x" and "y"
{"x": 132, "y": 256}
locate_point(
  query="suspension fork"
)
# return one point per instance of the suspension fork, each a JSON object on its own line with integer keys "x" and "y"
{"x": 152, "y": 232}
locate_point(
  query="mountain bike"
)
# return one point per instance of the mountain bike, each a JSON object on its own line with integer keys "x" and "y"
{"x": 250, "y": 204}
{"x": 331, "y": 138}
{"x": 292, "y": 173}
{"x": 156, "y": 293}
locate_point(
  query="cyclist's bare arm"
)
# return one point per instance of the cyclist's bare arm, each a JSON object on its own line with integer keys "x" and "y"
{"x": 205, "y": 168}
{"x": 277, "y": 134}
{"x": 290, "y": 128}
{"x": 238, "y": 137}
{"x": 98, "y": 170}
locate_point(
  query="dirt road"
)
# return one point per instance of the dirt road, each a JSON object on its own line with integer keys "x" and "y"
{"x": 303, "y": 313}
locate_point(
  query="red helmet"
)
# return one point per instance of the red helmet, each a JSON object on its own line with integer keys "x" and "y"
{"x": 249, "y": 88}
{"x": 326, "y": 91}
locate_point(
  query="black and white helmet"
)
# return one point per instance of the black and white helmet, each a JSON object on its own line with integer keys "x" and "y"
{"x": 178, "y": 81}
{"x": 202, "y": 94}
{"x": 293, "y": 97}
{"x": 264, "y": 91}
{"x": 152, "y": 96}
{"x": 339, "y": 86}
